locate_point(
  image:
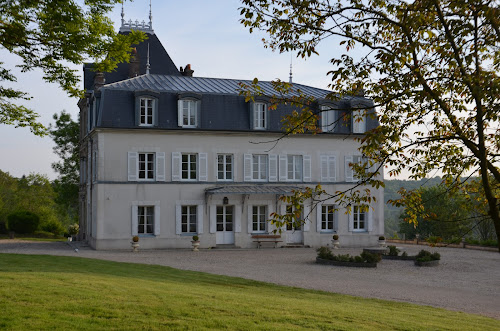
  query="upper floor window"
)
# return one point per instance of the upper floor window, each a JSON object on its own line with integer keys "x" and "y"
{"x": 350, "y": 175}
{"x": 146, "y": 111}
{"x": 328, "y": 119}
{"x": 359, "y": 121}
{"x": 189, "y": 113}
{"x": 259, "y": 116}
{"x": 224, "y": 167}
{"x": 146, "y": 166}
{"x": 328, "y": 168}
{"x": 259, "y": 167}
{"x": 294, "y": 169}
{"x": 189, "y": 166}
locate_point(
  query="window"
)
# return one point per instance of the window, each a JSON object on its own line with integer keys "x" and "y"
{"x": 189, "y": 219}
{"x": 146, "y": 111}
{"x": 327, "y": 217}
{"x": 359, "y": 217}
{"x": 294, "y": 169}
{"x": 146, "y": 166}
{"x": 328, "y": 119}
{"x": 259, "y": 216}
{"x": 145, "y": 219}
{"x": 188, "y": 166}
{"x": 350, "y": 175}
{"x": 297, "y": 223}
{"x": 259, "y": 116}
{"x": 359, "y": 121}
{"x": 328, "y": 168}
{"x": 188, "y": 113}
{"x": 224, "y": 167}
{"x": 259, "y": 167}
{"x": 224, "y": 218}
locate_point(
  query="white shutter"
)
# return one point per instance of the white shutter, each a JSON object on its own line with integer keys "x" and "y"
{"x": 178, "y": 218}
{"x": 176, "y": 166}
{"x": 307, "y": 218}
{"x": 213, "y": 219}
{"x": 350, "y": 219}
{"x": 160, "y": 167}
{"x": 199, "y": 214}
{"x": 135, "y": 224}
{"x": 202, "y": 167}
{"x": 237, "y": 218}
{"x": 319, "y": 209}
{"x": 283, "y": 168}
{"x": 332, "y": 169}
{"x": 349, "y": 173}
{"x": 306, "y": 162}
{"x": 179, "y": 112}
{"x": 250, "y": 218}
{"x": 157, "y": 219}
{"x": 283, "y": 212}
{"x": 273, "y": 167}
{"x": 324, "y": 168}
{"x": 336, "y": 219}
{"x": 247, "y": 165}
{"x": 132, "y": 166}
{"x": 369, "y": 220}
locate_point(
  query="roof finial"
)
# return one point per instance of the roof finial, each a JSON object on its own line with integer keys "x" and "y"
{"x": 290, "y": 80}
{"x": 147, "y": 63}
{"x": 123, "y": 15}
{"x": 150, "y": 16}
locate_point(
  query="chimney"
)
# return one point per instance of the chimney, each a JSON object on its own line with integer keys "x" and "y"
{"x": 187, "y": 71}
{"x": 133, "y": 67}
{"x": 99, "y": 80}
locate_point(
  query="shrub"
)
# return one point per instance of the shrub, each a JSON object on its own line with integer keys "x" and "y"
{"x": 404, "y": 254}
{"x": 52, "y": 226}
{"x": 135, "y": 239}
{"x": 325, "y": 253}
{"x": 3, "y": 227}
{"x": 196, "y": 238}
{"x": 335, "y": 237}
{"x": 393, "y": 251}
{"x": 370, "y": 257}
{"x": 23, "y": 222}
{"x": 381, "y": 238}
{"x": 426, "y": 256}
{"x": 433, "y": 240}
{"x": 73, "y": 229}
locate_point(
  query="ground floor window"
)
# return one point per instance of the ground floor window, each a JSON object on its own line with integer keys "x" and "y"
{"x": 359, "y": 218}
{"x": 224, "y": 218}
{"x": 145, "y": 219}
{"x": 327, "y": 217}
{"x": 297, "y": 221}
{"x": 189, "y": 219}
{"x": 259, "y": 215}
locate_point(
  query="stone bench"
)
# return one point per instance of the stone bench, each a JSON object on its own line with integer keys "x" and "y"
{"x": 266, "y": 238}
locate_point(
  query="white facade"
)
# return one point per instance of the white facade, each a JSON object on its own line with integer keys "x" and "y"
{"x": 159, "y": 185}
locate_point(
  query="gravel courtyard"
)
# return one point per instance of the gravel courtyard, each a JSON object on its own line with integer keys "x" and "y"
{"x": 465, "y": 280}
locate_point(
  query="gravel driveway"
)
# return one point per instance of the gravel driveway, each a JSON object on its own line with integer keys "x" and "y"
{"x": 465, "y": 280}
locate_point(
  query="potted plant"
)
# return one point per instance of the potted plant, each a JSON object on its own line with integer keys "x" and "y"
{"x": 381, "y": 241}
{"x": 135, "y": 243}
{"x": 195, "y": 242}
{"x": 335, "y": 241}
{"x": 73, "y": 230}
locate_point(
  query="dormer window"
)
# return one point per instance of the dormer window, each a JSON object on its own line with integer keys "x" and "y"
{"x": 146, "y": 115}
{"x": 259, "y": 116}
{"x": 189, "y": 110}
{"x": 328, "y": 119}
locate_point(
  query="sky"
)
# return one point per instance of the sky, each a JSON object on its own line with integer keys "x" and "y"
{"x": 205, "y": 34}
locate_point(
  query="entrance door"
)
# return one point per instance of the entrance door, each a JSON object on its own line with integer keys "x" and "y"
{"x": 225, "y": 225}
{"x": 294, "y": 234}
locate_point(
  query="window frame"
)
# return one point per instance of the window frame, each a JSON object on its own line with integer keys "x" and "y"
{"x": 328, "y": 211}
{"x": 146, "y": 217}
{"x": 146, "y": 108}
{"x": 155, "y": 217}
{"x": 260, "y": 171}
{"x": 257, "y": 218}
{"x": 329, "y": 118}
{"x": 187, "y": 221}
{"x": 296, "y": 162}
{"x": 356, "y": 213}
{"x": 224, "y": 164}
{"x": 189, "y": 163}
{"x": 260, "y": 116}
{"x": 146, "y": 171}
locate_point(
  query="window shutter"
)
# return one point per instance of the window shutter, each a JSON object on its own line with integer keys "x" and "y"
{"x": 349, "y": 173}
{"x": 160, "y": 166}
{"x": 155, "y": 112}
{"x": 213, "y": 219}
{"x": 323, "y": 159}
{"x": 336, "y": 220}
{"x": 369, "y": 220}
{"x": 351, "y": 219}
{"x": 178, "y": 218}
{"x": 237, "y": 218}
{"x": 199, "y": 214}
{"x": 247, "y": 160}
{"x": 176, "y": 166}
{"x": 318, "y": 217}
{"x": 179, "y": 112}
{"x": 332, "y": 169}
{"x": 283, "y": 212}
{"x": 157, "y": 219}
{"x": 307, "y": 218}
{"x": 202, "y": 166}
{"x": 137, "y": 111}
{"x": 132, "y": 166}
{"x": 135, "y": 223}
{"x": 267, "y": 116}
{"x": 198, "y": 114}
{"x": 306, "y": 160}
{"x": 252, "y": 115}
{"x": 250, "y": 218}
{"x": 270, "y": 227}
{"x": 283, "y": 168}
{"x": 273, "y": 167}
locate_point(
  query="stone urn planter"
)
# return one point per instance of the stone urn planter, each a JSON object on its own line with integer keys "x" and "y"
{"x": 135, "y": 244}
{"x": 381, "y": 242}
{"x": 195, "y": 243}
{"x": 335, "y": 242}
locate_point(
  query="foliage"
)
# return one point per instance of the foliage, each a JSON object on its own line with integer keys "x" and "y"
{"x": 365, "y": 257}
{"x": 335, "y": 237}
{"x": 51, "y": 35}
{"x": 433, "y": 240}
{"x": 393, "y": 251}
{"x": 23, "y": 222}
{"x": 405, "y": 254}
{"x": 490, "y": 242}
{"x": 430, "y": 66}
{"x": 426, "y": 256}
{"x": 66, "y": 136}
{"x": 52, "y": 226}
{"x": 135, "y": 239}
{"x": 73, "y": 229}
{"x": 381, "y": 238}
{"x": 196, "y": 238}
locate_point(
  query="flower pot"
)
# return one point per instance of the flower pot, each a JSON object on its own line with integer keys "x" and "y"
{"x": 135, "y": 246}
{"x": 195, "y": 245}
{"x": 381, "y": 243}
{"x": 336, "y": 244}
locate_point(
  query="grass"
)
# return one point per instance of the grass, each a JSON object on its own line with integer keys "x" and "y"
{"x": 45, "y": 236}
{"x": 49, "y": 292}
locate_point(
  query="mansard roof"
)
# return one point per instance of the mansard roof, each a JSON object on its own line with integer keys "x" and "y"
{"x": 167, "y": 83}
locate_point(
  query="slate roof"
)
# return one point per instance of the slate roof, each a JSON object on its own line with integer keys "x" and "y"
{"x": 168, "y": 83}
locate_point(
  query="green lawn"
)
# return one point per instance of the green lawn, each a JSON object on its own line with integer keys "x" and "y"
{"x": 48, "y": 292}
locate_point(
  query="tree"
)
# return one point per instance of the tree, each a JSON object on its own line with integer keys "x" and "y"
{"x": 431, "y": 68}
{"x": 50, "y": 35}
{"x": 66, "y": 135}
